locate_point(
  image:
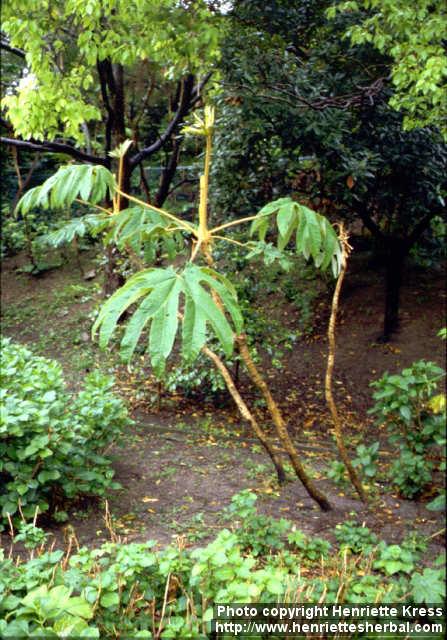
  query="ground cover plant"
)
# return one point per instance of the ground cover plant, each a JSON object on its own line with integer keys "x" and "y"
{"x": 134, "y": 589}
{"x": 414, "y": 415}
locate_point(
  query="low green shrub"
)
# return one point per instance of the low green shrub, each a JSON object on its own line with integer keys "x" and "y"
{"x": 51, "y": 442}
{"x": 337, "y": 473}
{"x": 355, "y": 537}
{"x": 416, "y": 424}
{"x": 257, "y": 533}
{"x": 366, "y": 460}
{"x": 310, "y": 548}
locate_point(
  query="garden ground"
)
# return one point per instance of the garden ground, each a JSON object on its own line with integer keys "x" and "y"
{"x": 182, "y": 461}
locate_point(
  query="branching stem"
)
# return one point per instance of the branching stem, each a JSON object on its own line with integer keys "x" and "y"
{"x": 181, "y": 223}
{"x": 245, "y": 412}
{"x": 232, "y": 224}
{"x": 280, "y": 425}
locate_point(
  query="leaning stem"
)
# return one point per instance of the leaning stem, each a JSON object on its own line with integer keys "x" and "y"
{"x": 120, "y": 179}
{"x": 95, "y": 206}
{"x": 280, "y": 425}
{"x": 245, "y": 412}
{"x": 231, "y": 240}
{"x": 338, "y": 430}
{"x": 278, "y": 421}
{"x": 204, "y": 185}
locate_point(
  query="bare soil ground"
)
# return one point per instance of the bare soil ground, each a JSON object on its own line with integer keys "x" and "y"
{"x": 182, "y": 461}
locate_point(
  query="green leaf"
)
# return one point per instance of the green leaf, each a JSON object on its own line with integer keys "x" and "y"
{"x": 66, "y": 185}
{"x": 134, "y": 289}
{"x": 160, "y": 290}
{"x": 50, "y": 474}
{"x": 147, "y": 310}
{"x": 262, "y": 221}
{"x": 428, "y": 587}
{"x": 312, "y": 231}
{"x": 164, "y": 329}
{"x": 286, "y": 220}
{"x": 110, "y": 599}
{"x": 79, "y": 607}
{"x": 226, "y": 292}
{"x": 208, "y": 308}
{"x": 285, "y": 217}
{"x": 315, "y": 236}
{"x": 194, "y": 330}
{"x": 275, "y": 586}
{"x": 208, "y": 615}
{"x": 437, "y": 504}
{"x": 405, "y": 412}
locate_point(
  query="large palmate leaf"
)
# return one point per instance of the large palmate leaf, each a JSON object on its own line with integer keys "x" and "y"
{"x": 75, "y": 228}
{"x": 314, "y": 235}
{"x": 201, "y": 298}
{"x": 71, "y": 182}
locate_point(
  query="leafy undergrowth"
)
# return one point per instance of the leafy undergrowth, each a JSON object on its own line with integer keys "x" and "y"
{"x": 132, "y": 589}
{"x": 51, "y": 442}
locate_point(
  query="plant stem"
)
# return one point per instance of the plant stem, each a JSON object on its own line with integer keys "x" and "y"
{"x": 246, "y": 413}
{"x": 204, "y": 184}
{"x": 338, "y": 431}
{"x": 95, "y": 206}
{"x": 120, "y": 177}
{"x": 280, "y": 425}
{"x": 181, "y": 223}
{"x": 232, "y": 223}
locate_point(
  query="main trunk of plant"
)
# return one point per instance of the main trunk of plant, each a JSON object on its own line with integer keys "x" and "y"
{"x": 203, "y": 245}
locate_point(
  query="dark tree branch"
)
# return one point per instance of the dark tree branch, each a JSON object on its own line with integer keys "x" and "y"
{"x": 7, "y": 47}
{"x": 55, "y": 147}
{"x": 182, "y": 110}
{"x": 189, "y": 97}
{"x": 369, "y": 223}
{"x": 168, "y": 174}
{"x": 119, "y": 101}
{"x": 6, "y": 125}
{"x": 181, "y": 183}
{"x": 292, "y": 98}
{"x": 199, "y": 88}
{"x": 144, "y": 184}
{"x": 102, "y": 73}
{"x": 22, "y": 184}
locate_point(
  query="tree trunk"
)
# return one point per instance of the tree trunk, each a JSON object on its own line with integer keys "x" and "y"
{"x": 396, "y": 252}
{"x": 167, "y": 174}
{"x": 113, "y": 279}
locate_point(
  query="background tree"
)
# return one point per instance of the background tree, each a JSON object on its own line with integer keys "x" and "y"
{"x": 88, "y": 72}
{"x": 314, "y": 118}
{"x": 414, "y": 37}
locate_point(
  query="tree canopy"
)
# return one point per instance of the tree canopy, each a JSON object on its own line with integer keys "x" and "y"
{"x": 64, "y": 45}
{"x": 413, "y": 36}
